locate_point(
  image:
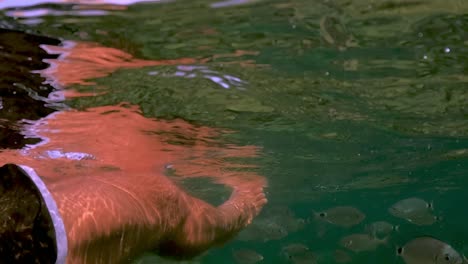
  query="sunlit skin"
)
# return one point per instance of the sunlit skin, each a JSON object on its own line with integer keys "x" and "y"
{"x": 118, "y": 203}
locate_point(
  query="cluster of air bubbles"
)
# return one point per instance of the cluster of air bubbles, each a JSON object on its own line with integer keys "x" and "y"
{"x": 445, "y": 50}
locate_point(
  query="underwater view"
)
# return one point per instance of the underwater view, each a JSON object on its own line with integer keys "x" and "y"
{"x": 341, "y": 126}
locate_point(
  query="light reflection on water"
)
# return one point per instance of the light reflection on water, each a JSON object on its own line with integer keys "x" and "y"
{"x": 225, "y": 81}
{"x": 50, "y": 12}
{"x": 80, "y": 62}
{"x": 366, "y": 104}
{"x": 30, "y": 15}
{"x": 26, "y": 3}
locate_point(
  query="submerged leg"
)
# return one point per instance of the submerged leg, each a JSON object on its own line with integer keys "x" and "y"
{"x": 114, "y": 220}
{"x": 208, "y": 226}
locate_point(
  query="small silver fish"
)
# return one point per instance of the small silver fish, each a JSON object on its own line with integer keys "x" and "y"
{"x": 414, "y": 210}
{"x": 262, "y": 230}
{"x": 429, "y": 250}
{"x": 381, "y": 228}
{"x": 295, "y": 248}
{"x": 361, "y": 242}
{"x": 345, "y": 216}
{"x": 246, "y": 256}
{"x": 284, "y": 217}
{"x": 341, "y": 256}
{"x": 423, "y": 219}
{"x": 304, "y": 258}
{"x": 298, "y": 253}
{"x": 410, "y": 206}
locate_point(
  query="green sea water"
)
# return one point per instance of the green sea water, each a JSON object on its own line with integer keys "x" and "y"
{"x": 359, "y": 103}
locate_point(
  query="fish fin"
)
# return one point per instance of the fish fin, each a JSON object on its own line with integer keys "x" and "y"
{"x": 384, "y": 241}
{"x": 314, "y": 213}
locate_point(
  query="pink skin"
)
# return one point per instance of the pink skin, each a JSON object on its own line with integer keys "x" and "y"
{"x": 119, "y": 203}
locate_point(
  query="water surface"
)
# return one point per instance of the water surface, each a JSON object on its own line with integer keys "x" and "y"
{"x": 360, "y": 104}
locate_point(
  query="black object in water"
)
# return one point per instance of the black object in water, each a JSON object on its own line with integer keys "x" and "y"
{"x": 31, "y": 230}
{"x": 20, "y": 54}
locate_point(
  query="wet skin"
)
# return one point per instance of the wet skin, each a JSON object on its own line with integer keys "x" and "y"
{"x": 117, "y": 203}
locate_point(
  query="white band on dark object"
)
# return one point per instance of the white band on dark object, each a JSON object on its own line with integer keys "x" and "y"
{"x": 59, "y": 227}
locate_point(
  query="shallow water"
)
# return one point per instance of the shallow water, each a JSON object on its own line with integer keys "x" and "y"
{"x": 360, "y": 104}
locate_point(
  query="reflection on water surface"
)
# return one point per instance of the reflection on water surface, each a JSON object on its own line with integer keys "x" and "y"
{"x": 360, "y": 105}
